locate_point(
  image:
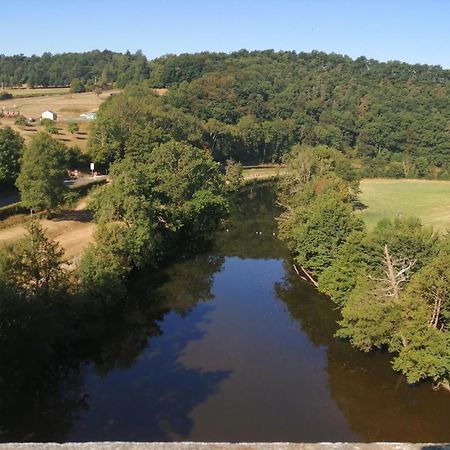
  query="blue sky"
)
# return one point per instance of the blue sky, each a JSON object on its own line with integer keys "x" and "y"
{"x": 411, "y": 31}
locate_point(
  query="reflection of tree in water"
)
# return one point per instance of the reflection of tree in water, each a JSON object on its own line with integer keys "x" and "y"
{"x": 252, "y": 212}
{"x": 181, "y": 285}
{"x": 377, "y": 402}
{"x": 42, "y": 389}
{"x": 40, "y": 385}
{"x": 313, "y": 310}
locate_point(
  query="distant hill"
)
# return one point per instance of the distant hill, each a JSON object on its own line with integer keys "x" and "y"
{"x": 393, "y": 118}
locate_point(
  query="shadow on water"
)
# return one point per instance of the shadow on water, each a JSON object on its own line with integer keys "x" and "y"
{"x": 123, "y": 379}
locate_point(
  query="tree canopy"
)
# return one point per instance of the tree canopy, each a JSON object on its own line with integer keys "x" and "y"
{"x": 42, "y": 174}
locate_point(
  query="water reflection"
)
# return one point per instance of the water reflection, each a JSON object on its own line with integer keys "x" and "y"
{"x": 227, "y": 346}
{"x": 153, "y": 400}
{"x": 377, "y": 402}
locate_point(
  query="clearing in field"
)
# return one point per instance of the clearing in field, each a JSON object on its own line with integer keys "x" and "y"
{"x": 387, "y": 198}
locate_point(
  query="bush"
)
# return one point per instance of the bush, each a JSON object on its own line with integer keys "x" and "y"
{"x": 20, "y": 120}
{"x": 5, "y": 96}
{"x": 77, "y": 86}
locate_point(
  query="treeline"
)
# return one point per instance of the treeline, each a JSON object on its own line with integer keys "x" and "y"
{"x": 391, "y": 118}
{"x": 163, "y": 202}
{"x": 392, "y": 285}
{"x": 101, "y": 68}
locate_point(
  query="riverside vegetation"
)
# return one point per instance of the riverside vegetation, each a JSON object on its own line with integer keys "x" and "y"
{"x": 330, "y": 119}
{"x": 392, "y": 285}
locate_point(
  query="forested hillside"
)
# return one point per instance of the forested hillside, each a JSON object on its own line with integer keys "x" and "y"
{"x": 391, "y": 118}
{"x": 101, "y": 67}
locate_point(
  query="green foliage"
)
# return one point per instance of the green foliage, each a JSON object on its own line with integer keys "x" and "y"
{"x": 50, "y": 126}
{"x": 77, "y": 86}
{"x": 34, "y": 267}
{"x": 42, "y": 174}
{"x": 159, "y": 205}
{"x": 339, "y": 279}
{"x": 369, "y": 317}
{"x": 20, "y": 121}
{"x": 104, "y": 266}
{"x": 321, "y": 229}
{"x": 233, "y": 175}
{"x": 5, "y": 96}
{"x": 393, "y": 116}
{"x": 11, "y": 147}
{"x": 315, "y": 98}
{"x": 136, "y": 121}
{"x": 73, "y": 128}
{"x": 61, "y": 69}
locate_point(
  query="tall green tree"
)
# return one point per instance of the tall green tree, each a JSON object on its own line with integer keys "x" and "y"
{"x": 42, "y": 174}
{"x": 11, "y": 147}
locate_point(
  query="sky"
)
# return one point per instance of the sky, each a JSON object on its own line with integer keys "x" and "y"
{"x": 414, "y": 31}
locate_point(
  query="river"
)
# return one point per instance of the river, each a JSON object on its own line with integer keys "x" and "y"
{"x": 229, "y": 345}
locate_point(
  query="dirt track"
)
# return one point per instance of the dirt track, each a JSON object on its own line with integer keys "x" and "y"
{"x": 73, "y": 230}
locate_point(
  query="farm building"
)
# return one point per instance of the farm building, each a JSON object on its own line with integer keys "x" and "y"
{"x": 49, "y": 115}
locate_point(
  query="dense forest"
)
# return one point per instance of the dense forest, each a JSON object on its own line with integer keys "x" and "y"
{"x": 95, "y": 67}
{"x": 391, "y": 118}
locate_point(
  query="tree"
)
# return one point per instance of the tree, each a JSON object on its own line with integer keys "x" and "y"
{"x": 49, "y": 126}
{"x": 20, "y": 120}
{"x": 321, "y": 229}
{"x": 41, "y": 178}
{"x": 77, "y": 86}
{"x": 35, "y": 266}
{"x": 11, "y": 147}
{"x": 157, "y": 204}
{"x": 233, "y": 174}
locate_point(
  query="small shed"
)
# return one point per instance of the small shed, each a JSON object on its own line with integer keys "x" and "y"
{"x": 49, "y": 115}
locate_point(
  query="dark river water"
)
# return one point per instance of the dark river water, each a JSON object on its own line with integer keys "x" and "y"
{"x": 228, "y": 346}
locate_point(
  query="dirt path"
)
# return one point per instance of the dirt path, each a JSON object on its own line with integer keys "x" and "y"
{"x": 73, "y": 230}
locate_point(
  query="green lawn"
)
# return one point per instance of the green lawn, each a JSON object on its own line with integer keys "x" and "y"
{"x": 427, "y": 199}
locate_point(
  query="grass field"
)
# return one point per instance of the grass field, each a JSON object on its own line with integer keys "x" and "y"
{"x": 262, "y": 173}
{"x": 387, "y": 198}
{"x": 68, "y": 107}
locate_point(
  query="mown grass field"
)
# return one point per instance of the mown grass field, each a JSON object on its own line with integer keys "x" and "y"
{"x": 387, "y": 198}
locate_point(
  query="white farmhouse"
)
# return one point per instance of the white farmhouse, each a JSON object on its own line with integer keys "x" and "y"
{"x": 49, "y": 115}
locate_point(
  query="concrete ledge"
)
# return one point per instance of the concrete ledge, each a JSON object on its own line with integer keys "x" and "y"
{"x": 221, "y": 446}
